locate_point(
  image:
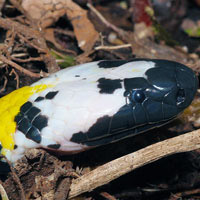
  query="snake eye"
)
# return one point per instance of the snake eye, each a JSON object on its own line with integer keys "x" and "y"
{"x": 180, "y": 96}
{"x": 137, "y": 96}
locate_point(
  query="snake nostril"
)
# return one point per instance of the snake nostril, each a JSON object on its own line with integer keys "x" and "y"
{"x": 180, "y": 98}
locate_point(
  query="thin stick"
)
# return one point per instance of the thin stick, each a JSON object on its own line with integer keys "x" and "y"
{"x": 3, "y": 193}
{"x": 16, "y": 179}
{"x": 102, "y": 47}
{"x": 121, "y": 32}
{"x": 26, "y": 59}
{"x": 34, "y": 37}
{"x": 4, "y": 84}
{"x": 18, "y": 67}
{"x": 116, "y": 168}
{"x": 16, "y": 77}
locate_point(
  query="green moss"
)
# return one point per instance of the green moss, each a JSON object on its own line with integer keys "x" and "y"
{"x": 63, "y": 61}
{"x": 193, "y": 32}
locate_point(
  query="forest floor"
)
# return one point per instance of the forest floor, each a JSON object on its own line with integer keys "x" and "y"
{"x": 38, "y": 38}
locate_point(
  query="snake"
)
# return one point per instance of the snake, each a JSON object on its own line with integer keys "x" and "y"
{"x": 94, "y": 104}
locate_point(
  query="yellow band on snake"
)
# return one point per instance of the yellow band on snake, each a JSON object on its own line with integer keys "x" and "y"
{"x": 9, "y": 108}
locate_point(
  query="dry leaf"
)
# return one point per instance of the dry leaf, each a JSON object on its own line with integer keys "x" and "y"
{"x": 48, "y": 12}
{"x": 83, "y": 28}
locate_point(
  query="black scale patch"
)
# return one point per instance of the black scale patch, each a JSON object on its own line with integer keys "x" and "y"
{"x": 111, "y": 63}
{"x": 24, "y": 125}
{"x": 26, "y": 106}
{"x": 30, "y": 121}
{"x": 108, "y": 86}
{"x": 110, "y": 129}
{"x": 107, "y": 129}
{"x": 40, "y": 122}
{"x": 34, "y": 134}
{"x": 33, "y": 111}
{"x": 49, "y": 95}
{"x": 54, "y": 146}
{"x": 39, "y": 99}
{"x": 118, "y": 63}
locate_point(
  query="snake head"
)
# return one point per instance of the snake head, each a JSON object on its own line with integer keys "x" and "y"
{"x": 137, "y": 96}
{"x": 165, "y": 90}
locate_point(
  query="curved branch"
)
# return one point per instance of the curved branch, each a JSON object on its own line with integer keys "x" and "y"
{"x": 116, "y": 168}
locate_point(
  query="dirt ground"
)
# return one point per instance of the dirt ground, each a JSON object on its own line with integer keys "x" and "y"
{"x": 38, "y": 38}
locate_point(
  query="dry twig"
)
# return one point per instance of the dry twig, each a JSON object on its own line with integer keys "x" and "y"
{"x": 27, "y": 59}
{"x": 16, "y": 77}
{"x": 18, "y": 67}
{"x": 121, "y": 32}
{"x": 65, "y": 32}
{"x": 107, "y": 196}
{"x": 102, "y": 47}
{"x": 116, "y": 168}
{"x": 16, "y": 178}
{"x": 181, "y": 195}
{"x": 4, "y": 84}
{"x": 33, "y": 36}
{"x": 3, "y": 193}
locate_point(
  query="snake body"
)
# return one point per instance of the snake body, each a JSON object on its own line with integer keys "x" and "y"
{"x": 93, "y": 104}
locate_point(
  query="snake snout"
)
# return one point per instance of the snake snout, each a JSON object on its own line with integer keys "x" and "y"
{"x": 176, "y": 83}
{"x": 187, "y": 84}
